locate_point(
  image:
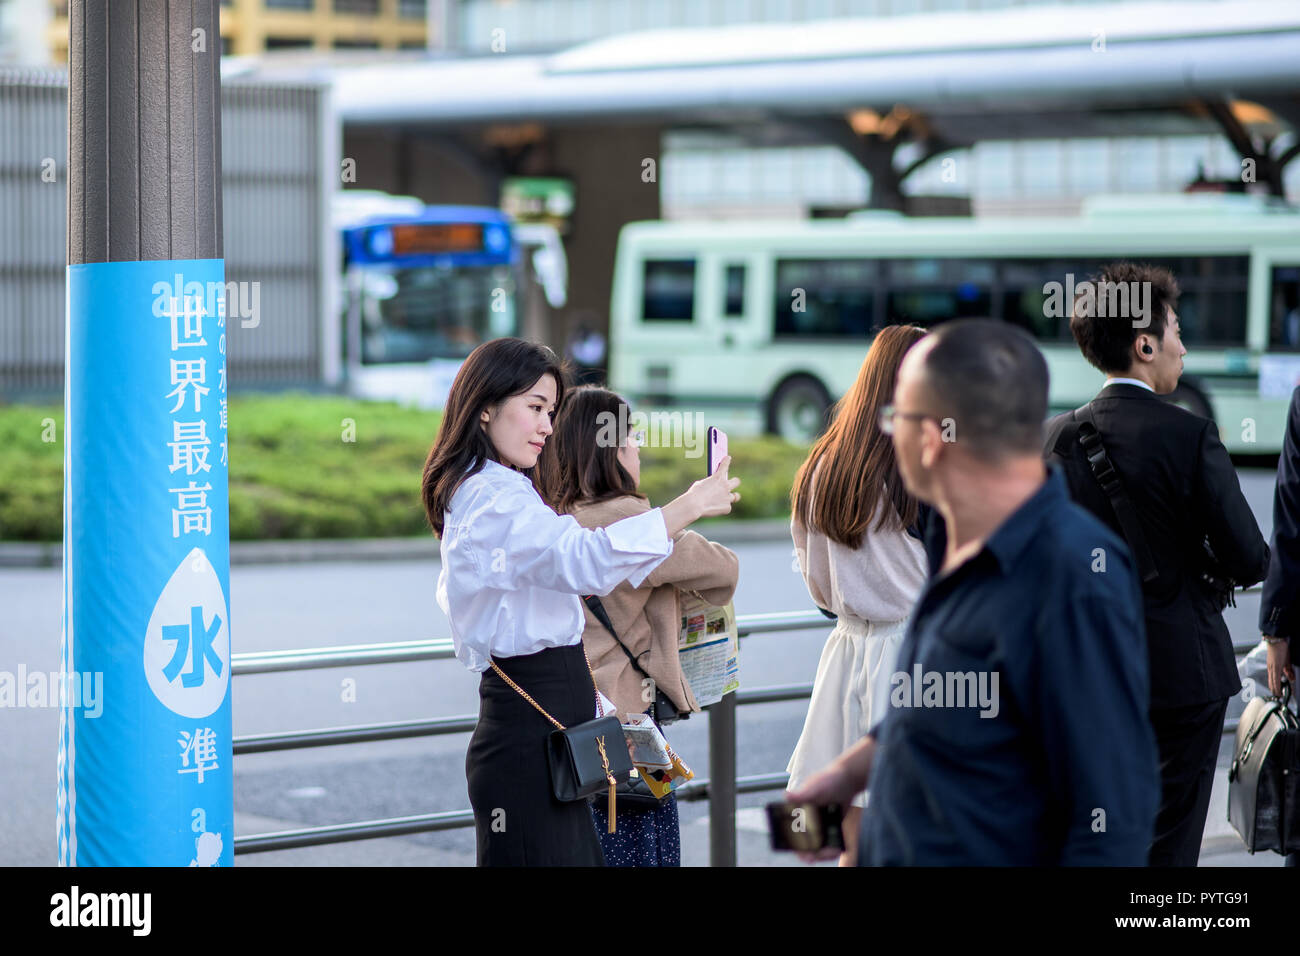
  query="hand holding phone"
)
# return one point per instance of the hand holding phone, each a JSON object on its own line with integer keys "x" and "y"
{"x": 713, "y": 495}
{"x": 806, "y": 827}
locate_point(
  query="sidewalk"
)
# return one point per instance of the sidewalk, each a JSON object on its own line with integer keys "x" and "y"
{"x": 49, "y": 554}
{"x": 457, "y": 848}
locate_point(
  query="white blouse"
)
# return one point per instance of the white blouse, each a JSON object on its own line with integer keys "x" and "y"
{"x": 513, "y": 569}
{"x": 879, "y": 581}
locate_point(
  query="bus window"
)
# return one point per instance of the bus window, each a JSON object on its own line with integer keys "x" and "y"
{"x": 1284, "y": 309}
{"x": 1211, "y": 305}
{"x": 668, "y": 290}
{"x": 734, "y": 283}
{"x": 1212, "y": 302}
{"x": 829, "y": 298}
{"x": 1025, "y": 303}
{"x": 925, "y": 292}
{"x": 412, "y": 315}
{"x": 1037, "y": 294}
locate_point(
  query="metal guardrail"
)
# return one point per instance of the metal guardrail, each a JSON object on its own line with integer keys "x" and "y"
{"x": 722, "y": 738}
{"x": 267, "y": 662}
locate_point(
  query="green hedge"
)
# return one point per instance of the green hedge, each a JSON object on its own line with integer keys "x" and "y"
{"x": 295, "y": 474}
{"x": 31, "y": 472}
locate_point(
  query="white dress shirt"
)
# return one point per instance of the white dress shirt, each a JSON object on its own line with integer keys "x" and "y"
{"x": 1129, "y": 381}
{"x": 513, "y": 570}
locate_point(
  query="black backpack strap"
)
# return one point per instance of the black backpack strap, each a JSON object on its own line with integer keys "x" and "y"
{"x": 1108, "y": 478}
{"x": 598, "y": 609}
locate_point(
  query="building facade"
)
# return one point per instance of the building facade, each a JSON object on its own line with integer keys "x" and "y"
{"x": 250, "y": 27}
{"x": 279, "y": 250}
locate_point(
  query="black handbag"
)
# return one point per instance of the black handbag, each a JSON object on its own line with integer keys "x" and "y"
{"x": 663, "y": 710}
{"x": 637, "y": 795}
{"x": 584, "y": 759}
{"x": 1264, "y": 778}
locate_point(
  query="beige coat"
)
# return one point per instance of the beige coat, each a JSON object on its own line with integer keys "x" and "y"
{"x": 647, "y": 618}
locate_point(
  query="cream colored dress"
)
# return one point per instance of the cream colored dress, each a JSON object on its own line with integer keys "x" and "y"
{"x": 872, "y": 590}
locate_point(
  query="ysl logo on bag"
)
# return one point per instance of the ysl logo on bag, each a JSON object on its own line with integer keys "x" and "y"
{"x": 604, "y": 759}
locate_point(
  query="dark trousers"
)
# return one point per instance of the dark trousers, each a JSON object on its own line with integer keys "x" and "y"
{"x": 1188, "y": 741}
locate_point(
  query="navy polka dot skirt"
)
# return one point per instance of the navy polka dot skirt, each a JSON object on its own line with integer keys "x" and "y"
{"x": 644, "y": 837}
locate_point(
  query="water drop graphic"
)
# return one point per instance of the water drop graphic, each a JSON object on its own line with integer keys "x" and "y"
{"x": 187, "y": 645}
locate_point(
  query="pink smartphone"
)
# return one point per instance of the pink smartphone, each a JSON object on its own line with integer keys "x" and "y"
{"x": 717, "y": 447}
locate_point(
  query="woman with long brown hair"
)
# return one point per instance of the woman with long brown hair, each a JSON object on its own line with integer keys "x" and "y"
{"x": 860, "y": 552}
{"x": 512, "y": 573}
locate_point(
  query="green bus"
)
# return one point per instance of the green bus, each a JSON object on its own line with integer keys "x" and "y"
{"x": 768, "y": 322}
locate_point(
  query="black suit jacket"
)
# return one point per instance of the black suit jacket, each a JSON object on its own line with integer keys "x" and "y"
{"x": 1279, "y": 606}
{"x": 1185, "y": 490}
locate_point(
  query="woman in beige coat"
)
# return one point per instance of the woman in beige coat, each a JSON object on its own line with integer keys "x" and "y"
{"x": 591, "y": 468}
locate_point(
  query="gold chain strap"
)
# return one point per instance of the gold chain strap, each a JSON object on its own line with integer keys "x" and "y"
{"x": 523, "y": 693}
{"x": 505, "y": 677}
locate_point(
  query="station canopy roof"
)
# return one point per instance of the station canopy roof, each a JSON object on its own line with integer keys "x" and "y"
{"x": 1046, "y": 71}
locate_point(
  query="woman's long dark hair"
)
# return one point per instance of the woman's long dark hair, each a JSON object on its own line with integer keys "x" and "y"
{"x": 857, "y": 458}
{"x": 580, "y": 460}
{"x": 494, "y": 371}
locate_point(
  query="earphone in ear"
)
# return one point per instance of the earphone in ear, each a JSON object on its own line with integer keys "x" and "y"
{"x": 1146, "y": 350}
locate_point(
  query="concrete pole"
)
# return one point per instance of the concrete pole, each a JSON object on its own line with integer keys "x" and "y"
{"x": 145, "y": 776}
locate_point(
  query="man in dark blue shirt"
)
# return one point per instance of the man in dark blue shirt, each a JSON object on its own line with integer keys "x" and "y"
{"x": 1017, "y": 732}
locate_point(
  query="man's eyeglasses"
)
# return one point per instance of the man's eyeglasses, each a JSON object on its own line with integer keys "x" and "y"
{"x": 890, "y": 412}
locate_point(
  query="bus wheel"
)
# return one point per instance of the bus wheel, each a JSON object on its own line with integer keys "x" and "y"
{"x": 797, "y": 409}
{"x": 1190, "y": 397}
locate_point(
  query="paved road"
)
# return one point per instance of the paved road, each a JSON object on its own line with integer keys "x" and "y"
{"x": 305, "y": 605}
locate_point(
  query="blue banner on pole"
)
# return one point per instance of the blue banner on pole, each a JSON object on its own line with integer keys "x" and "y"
{"x": 146, "y": 781}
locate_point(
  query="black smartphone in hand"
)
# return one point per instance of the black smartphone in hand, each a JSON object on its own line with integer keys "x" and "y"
{"x": 806, "y": 827}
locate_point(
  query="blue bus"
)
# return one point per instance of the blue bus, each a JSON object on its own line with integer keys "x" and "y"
{"x": 423, "y": 285}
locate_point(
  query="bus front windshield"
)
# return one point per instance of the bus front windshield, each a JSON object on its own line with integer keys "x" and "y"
{"x": 429, "y": 312}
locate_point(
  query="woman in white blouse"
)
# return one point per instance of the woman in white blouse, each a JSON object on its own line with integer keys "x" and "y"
{"x": 859, "y": 549}
{"x": 512, "y": 573}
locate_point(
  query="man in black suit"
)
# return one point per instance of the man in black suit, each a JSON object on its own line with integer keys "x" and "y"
{"x": 1279, "y": 605}
{"x": 1182, "y": 493}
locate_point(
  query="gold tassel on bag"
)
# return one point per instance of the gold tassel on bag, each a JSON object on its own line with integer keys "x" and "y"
{"x": 605, "y": 760}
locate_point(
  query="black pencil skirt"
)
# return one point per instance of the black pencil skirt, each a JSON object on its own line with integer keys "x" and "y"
{"x": 517, "y": 819}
